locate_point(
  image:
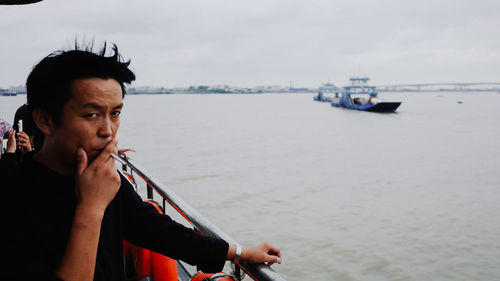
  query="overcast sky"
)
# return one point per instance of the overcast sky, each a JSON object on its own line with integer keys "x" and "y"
{"x": 265, "y": 42}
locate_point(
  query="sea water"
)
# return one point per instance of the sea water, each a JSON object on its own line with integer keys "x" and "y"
{"x": 346, "y": 195}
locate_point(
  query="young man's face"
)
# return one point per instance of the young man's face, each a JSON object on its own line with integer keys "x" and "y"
{"x": 90, "y": 119}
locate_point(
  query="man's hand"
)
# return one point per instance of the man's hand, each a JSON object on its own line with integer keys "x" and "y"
{"x": 260, "y": 253}
{"x": 11, "y": 142}
{"x": 24, "y": 142}
{"x": 97, "y": 183}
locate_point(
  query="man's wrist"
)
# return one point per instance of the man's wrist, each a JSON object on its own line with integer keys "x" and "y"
{"x": 88, "y": 213}
{"x": 237, "y": 254}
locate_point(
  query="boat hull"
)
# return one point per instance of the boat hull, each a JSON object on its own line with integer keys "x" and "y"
{"x": 378, "y": 107}
{"x": 384, "y": 107}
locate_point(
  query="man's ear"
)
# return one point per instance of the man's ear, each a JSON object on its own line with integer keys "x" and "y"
{"x": 43, "y": 121}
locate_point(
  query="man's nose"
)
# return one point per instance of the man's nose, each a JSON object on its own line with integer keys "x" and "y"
{"x": 105, "y": 130}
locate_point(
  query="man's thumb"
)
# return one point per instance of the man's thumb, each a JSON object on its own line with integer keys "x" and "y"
{"x": 81, "y": 161}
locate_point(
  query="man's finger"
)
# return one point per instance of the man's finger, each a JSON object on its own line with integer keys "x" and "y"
{"x": 274, "y": 251}
{"x": 81, "y": 161}
{"x": 273, "y": 259}
{"x": 123, "y": 150}
{"x": 105, "y": 154}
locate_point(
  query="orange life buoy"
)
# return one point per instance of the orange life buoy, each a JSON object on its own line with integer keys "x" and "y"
{"x": 129, "y": 177}
{"x": 221, "y": 276}
{"x": 147, "y": 263}
{"x": 164, "y": 268}
{"x": 142, "y": 262}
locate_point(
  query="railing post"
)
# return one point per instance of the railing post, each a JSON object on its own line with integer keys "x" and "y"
{"x": 149, "y": 190}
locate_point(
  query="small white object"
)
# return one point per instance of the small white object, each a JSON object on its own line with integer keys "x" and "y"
{"x": 237, "y": 254}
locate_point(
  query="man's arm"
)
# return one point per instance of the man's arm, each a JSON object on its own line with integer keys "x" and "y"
{"x": 96, "y": 185}
{"x": 79, "y": 258}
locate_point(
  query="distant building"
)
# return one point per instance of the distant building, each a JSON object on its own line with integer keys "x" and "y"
{"x": 299, "y": 90}
{"x": 271, "y": 89}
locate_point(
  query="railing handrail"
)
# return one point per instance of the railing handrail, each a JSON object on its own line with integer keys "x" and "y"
{"x": 259, "y": 272}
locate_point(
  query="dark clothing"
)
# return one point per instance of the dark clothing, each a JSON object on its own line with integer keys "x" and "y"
{"x": 8, "y": 162}
{"x": 41, "y": 205}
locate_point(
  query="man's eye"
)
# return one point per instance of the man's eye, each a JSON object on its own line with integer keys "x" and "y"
{"x": 116, "y": 113}
{"x": 90, "y": 115}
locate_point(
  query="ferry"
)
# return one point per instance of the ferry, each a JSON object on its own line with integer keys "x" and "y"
{"x": 360, "y": 96}
{"x": 325, "y": 90}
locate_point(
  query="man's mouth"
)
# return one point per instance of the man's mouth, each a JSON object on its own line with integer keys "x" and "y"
{"x": 92, "y": 153}
{"x": 99, "y": 149}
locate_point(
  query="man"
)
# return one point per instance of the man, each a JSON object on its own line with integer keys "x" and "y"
{"x": 76, "y": 209}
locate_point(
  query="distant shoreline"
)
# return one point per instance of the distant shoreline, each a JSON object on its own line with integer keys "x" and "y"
{"x": 435, "y": 87}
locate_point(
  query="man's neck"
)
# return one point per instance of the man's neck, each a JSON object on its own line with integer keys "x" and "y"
{"x": 51, "y": 160}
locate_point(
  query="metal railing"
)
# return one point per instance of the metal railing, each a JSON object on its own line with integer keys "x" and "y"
{"x": 260, "y": 272}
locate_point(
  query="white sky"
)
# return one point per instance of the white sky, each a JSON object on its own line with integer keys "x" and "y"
{"x": 178, "y": 43}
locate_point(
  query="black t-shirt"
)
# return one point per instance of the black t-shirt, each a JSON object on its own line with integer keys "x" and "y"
{"x": 37, "y": 212}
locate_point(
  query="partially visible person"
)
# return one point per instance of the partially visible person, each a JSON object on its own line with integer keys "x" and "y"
{"x": 5, "y": 129}
{"x": 24, "y": 117}
{"x": 9, "y": 160}
{"x": 23, "y": 113}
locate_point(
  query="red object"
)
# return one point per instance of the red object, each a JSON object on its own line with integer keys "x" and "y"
{"x": 147, "y": 263}
{"x": 221, "y": 276}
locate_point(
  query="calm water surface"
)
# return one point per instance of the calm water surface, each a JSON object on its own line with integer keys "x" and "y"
{"x": 346, "y": 195}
